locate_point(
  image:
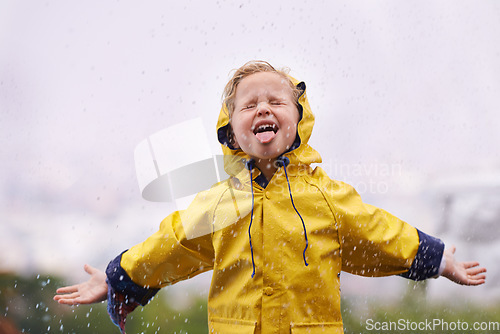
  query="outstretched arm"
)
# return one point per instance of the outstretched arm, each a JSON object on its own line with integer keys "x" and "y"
{"x": 465, "y": 273}
{"x": 92, "y": 291}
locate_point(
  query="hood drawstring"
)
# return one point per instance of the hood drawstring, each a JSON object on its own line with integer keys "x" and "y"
{"x": 249, "y": 165}
{"x": 284, "y": 161}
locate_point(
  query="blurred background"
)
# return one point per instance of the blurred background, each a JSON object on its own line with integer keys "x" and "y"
{"x": 406, "y": 98}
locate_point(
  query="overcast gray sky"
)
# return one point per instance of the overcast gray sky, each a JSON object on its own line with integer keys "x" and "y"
{"x": 404, "y": 84}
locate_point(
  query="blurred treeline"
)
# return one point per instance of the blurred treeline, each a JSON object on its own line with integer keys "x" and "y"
{"x": 414, "y": 307}
{"x": 26, "y": 306}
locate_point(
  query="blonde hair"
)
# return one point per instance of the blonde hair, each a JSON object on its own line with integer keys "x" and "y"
{"x": 252, "y": 67}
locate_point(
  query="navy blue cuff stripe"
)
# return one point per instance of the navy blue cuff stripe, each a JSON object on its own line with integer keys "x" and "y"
{"x": 428, "y": 259}
{"x": 121, "y": 283}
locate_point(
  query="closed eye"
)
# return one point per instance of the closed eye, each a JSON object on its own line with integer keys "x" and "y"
{"x": 250, "y": 106}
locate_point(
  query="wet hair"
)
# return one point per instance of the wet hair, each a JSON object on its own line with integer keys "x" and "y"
{"x": 252, "y": 67}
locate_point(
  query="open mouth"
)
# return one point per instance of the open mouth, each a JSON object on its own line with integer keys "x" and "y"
{"x": 266, "y": 132}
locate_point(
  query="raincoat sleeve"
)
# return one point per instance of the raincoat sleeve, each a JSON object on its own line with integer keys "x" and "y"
{"x": 376, "y": 243}
{"x": 168, "y": 256}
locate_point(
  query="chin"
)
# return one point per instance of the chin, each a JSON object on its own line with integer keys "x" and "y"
{"x": 267, "y": 156}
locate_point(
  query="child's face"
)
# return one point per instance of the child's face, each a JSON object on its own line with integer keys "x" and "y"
{"x": 265, "y": 116}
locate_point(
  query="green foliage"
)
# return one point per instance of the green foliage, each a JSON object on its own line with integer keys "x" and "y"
{"x": 29, "y": 304}
{"x": 159, "y": 317}
{"x": 414, "y": 314}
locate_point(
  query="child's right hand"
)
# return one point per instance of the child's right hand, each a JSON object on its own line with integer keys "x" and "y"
{"x": 92, "y": 291}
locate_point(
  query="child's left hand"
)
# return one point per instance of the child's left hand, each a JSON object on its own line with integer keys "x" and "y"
{"x": 465, "y": 273}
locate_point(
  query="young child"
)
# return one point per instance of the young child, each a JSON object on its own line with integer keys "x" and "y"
{"x": 276, "y": 256}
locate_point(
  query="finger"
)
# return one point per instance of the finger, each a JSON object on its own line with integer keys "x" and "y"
{"x": 69, "y": 296}
{"x": 453, "y": 249}
{"x": 75, "y": 301}
{"x": 476, "y": 281}
{"x": 479, "y": 277}
{"x": 470, "y": 264}
{"x": 68, "y": 301}
{"x": 68, "y": 289}
{"x": 475, "y": 270}
{"x": 89, "y": 269}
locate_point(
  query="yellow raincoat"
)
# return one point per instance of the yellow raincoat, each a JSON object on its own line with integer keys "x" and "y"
{"x": 285, "y": 295}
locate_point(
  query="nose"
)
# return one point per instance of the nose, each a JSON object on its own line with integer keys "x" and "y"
{"x": 263, "y": 109}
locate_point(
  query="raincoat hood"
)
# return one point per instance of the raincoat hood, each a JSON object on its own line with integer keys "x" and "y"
{"x": 299, "y": 154}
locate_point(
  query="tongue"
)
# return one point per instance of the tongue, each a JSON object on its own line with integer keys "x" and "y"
{"x": 265, "y": 137}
